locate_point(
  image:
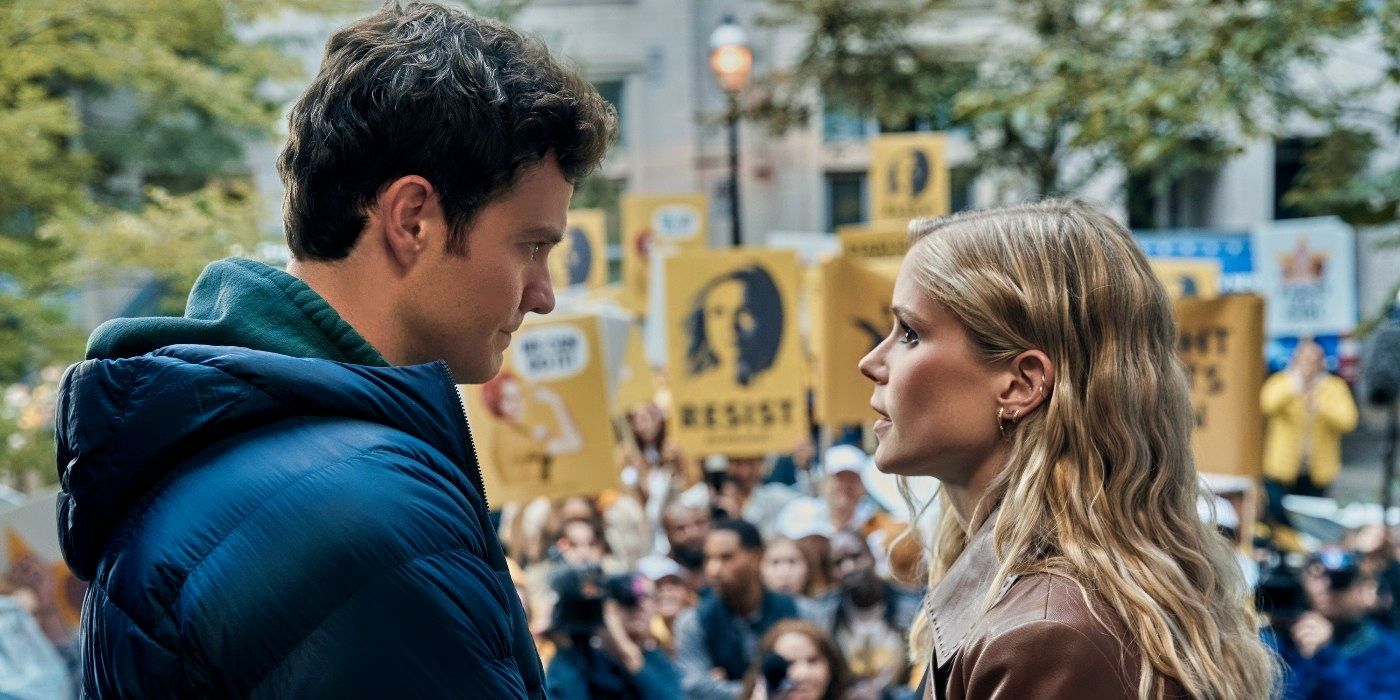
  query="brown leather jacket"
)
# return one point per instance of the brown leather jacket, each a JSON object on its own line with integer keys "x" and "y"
{"x": 1038, "y": 640}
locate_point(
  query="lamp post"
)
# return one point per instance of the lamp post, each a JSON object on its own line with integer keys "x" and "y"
{"x": 732, "y": 62}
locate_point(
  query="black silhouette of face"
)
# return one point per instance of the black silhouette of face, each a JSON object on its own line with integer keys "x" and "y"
{"x": 910, "y": 174}
{"x": 874, "y": 334}
{"x": 735, "y": 324}
{"x": 580, "y": 260}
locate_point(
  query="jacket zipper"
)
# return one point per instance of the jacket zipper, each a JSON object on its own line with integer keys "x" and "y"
{"x": 466, "y": 426}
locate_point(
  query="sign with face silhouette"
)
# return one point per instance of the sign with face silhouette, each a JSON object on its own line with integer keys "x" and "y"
{"x": 580, "y": 263}
{"x": 1188, "y": 278}
{"x": 537, "y": 424}
{"x": 667, "y": 222}
{"x": 853, "y": 304}
{"x": 908, "y": 176}
{"x": 737, "y": 374}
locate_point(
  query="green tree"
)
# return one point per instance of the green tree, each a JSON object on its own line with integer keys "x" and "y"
{"x": 125, "y": 123}
{"x": 1156, "y": 87}
{"x": 1337, "y": 177}
{"x": 859, "y": 57}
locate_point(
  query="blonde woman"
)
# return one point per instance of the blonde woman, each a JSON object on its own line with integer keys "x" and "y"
{"x": 1031, "y": 371}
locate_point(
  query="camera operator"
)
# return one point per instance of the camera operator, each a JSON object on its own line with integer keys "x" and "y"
{"x": 1334, "y": 650}
{"x": 601, "y": 626}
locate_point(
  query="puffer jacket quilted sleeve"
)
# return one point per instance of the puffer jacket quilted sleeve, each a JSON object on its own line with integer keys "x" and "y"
{"x": 255, "y": 536}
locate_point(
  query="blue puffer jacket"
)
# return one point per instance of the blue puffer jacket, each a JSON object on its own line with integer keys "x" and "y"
{"x": 259, "y": 525}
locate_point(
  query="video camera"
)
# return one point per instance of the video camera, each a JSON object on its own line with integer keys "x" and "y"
{"x": 582, "y": 591}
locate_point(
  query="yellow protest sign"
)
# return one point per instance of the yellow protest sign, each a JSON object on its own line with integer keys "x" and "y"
{"x": 909, "y": 176}
{"x": 537, "y": 426}
{"x": 854, "y": 307}
{"x": 581, "y": 262}
{"x": 1188, "y": 278}
{"x": 673, "y": 222}
{"x": 882, "y": 239}
{"x": 1221, "y": 342}
{"x": 737, "y": 374}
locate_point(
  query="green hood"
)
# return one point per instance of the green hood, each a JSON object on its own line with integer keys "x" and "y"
{"x": 245, "y": 304}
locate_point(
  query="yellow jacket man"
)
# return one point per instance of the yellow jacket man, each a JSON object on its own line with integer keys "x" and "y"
{"x": 1308, "y": 412}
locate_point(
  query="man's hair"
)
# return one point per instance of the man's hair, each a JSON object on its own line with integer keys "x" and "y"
{"x": 748, "y": 534}
{"x": 420, "y": 89}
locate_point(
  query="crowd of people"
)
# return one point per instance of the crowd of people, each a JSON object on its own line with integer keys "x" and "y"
{"x": 742, "y": 577}
{"x": 277, "y": 494}
{"x": 722, "y": 577}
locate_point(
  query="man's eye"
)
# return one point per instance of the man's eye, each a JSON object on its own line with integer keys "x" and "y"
{"x": 536, "y": 249}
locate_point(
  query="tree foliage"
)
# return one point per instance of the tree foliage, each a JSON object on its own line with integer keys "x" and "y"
{"x": 1337, "y": 177}
{"x": 1073, "y": 87}
{"x": 124, "y": 124}
{"x": 859, "y": 56}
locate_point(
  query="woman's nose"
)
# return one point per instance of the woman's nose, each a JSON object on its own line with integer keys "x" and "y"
{"x": 873, "y": 364}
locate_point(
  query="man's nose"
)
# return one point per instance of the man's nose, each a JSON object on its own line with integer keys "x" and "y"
{"x": 539, "y": 295}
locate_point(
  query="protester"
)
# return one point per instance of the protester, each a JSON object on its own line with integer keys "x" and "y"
{"x": 580, "y": 543}
{"x": 785, "y": 568}
{"x": 1070, "y": 561}
{"x": 628, "y": 533}
{"x": 868, "y": 618}
{"x": 602, "y": 627}
{"x": 1308, "y": 412}
{"x": 845, "y": 505}
{"x": 1334, "y": 650}
{"x": 805, "y": 521}
{"x": 717, "y": 641}
{"x": 31, "y": 668}
{"x": 654, "y": 466}
{"x": 672, "y": 596}
{"x": 276, "y": 494}
{"x": 742, "y": 493}
{"x": 796, "y": 661}
{"x": 686, "y": 526}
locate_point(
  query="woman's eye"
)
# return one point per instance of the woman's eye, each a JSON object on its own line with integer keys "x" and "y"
{"x": 907, "y": 334}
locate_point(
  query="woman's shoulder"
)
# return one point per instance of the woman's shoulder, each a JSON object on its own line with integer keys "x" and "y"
{"x": 1046, "y": 631}
{"x": 1052, "y": 598}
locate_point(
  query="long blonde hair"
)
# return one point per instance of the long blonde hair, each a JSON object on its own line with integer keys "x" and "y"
{"x": 1100, "y": 485}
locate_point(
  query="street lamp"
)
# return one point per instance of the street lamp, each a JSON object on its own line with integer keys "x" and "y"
{"x": 732, "y": 62}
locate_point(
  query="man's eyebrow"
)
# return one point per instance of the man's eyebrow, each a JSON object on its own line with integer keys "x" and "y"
{"x": 548, "y": 233}
{"x": 904, "y": 314}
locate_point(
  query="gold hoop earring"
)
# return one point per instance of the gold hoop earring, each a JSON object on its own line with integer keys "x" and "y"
{"x": 1001, "y": 422}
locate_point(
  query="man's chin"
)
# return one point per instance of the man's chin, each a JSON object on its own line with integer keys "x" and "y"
{"x": 474, "y": 371}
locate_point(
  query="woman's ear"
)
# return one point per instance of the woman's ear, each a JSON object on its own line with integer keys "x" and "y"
{"x": 1031, "y": 378}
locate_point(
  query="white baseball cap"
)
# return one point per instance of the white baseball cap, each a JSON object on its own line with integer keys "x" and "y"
{"x": 845, "y": 458}
{"x": 657, "y": 567}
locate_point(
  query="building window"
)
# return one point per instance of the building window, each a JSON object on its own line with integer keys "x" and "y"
{"x": 613, "y": 91}
{"x": 845, "y": 199}
{"x": 839, "y": 125}
{"x": 1288, "y": 164}
{"x": 1186, "y": 202}
{"x": 960, "y": 181}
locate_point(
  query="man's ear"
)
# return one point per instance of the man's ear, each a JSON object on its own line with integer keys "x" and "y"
{"x": 408, "y": 208}
{"x": 1031, "y": 379}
